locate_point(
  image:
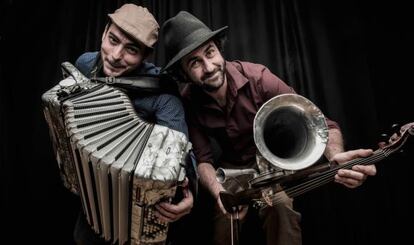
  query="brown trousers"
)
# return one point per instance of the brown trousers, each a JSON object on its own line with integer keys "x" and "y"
{"x": 280, "y": 223}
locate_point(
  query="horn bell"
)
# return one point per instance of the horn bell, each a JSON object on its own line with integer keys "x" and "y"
{"x": 290, "y": 132}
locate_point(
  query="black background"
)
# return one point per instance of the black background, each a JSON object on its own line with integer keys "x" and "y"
{"x": 353, "y": 59}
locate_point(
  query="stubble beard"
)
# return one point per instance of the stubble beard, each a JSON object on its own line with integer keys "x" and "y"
{"x": 214, "y": 87}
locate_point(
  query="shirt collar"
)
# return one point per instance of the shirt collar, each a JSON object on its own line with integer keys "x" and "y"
{"x": 235, "y": 78}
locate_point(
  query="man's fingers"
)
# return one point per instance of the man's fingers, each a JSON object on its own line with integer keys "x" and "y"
{"x": 349, "y": 155}
{"x": 350, "y": 174}
{"x": 370, "y": 170}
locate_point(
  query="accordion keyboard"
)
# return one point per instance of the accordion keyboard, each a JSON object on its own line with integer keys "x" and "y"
{"x": 153, "y": 227}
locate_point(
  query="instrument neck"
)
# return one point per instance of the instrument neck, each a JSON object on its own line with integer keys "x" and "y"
{"x": 320, "y": 178}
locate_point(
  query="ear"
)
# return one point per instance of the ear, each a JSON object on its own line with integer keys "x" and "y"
{"x": 179, "y": 71}
{"x": 182, "y": 74}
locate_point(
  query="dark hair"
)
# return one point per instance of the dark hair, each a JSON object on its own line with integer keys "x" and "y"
{"x": 220, "y": 41}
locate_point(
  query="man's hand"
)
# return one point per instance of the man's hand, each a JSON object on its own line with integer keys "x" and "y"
{"x": 354, "y": 177}
{"x": 172, "y": 212}
{"x": 242, "y": 209}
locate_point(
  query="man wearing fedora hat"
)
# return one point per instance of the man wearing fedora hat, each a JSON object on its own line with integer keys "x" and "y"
{"x": 128, "y": 39}
{"x": 221, "y": 100}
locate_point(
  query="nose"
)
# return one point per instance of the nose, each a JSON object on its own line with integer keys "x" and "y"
{"x": 117, "y": 53}
{"x": 208, "y": 66}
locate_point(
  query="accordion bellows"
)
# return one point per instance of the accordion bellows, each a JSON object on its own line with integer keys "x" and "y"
{"x": 120, "y": 165}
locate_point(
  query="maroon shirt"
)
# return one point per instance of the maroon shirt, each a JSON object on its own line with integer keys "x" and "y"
{"x": 249, "y": 86}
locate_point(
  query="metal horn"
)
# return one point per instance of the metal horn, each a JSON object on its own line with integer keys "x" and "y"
{"x": 222, "y": 174}
{"x": 290, "y": 132}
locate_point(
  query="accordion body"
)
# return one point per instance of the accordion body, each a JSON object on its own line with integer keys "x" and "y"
{"x": 119, "y": 164}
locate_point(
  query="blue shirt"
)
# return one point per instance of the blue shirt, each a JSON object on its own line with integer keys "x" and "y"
{"x": 165, "y": 109}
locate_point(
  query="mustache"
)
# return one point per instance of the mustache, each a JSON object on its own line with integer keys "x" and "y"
{"x": 211, "y": 74}
{"x": 114, "y": 64}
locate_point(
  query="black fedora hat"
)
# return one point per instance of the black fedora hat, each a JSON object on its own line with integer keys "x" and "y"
{"x": 184, "y": 33}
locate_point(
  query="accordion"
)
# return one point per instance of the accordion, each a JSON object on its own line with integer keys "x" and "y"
{"x": 119, "y": 164}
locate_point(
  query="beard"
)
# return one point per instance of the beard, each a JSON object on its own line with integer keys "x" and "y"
{"x": 214, "y": 85}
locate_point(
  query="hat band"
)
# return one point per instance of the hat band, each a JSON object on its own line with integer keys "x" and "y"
{"x": 194, "y": 36}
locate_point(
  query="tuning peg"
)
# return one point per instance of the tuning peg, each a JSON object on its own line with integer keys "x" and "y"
{"x": 383, "y": 140}
{"x": 395, "y": 128}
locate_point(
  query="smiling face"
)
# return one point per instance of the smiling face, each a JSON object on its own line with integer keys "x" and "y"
{"x": 120, "y": 54}
{"x": 205, "y": 67}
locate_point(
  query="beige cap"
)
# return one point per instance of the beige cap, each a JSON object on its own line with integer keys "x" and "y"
{"x": 138, "y": 22}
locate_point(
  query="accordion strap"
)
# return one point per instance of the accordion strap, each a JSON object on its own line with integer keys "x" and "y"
{"x": 144, "y": 82}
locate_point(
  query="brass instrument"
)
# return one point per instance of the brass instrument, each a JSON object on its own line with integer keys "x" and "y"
{"x": 290, "y": 133}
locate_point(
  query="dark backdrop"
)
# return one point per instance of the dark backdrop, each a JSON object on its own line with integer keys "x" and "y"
{"x": 352, "y": 59}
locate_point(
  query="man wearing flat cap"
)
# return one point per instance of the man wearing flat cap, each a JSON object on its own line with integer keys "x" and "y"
{"x": 128, "y": 39}
{"x": 221, "y": 99}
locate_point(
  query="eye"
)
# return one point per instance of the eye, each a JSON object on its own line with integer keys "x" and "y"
{"x": 132, "y": 50}
{"x": 195, "y": 64}
{"x": 210, "y": 53}
{"x": 113, "y": 40}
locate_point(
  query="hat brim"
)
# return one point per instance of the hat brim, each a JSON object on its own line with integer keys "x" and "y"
{"x": 192, "y": 47}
